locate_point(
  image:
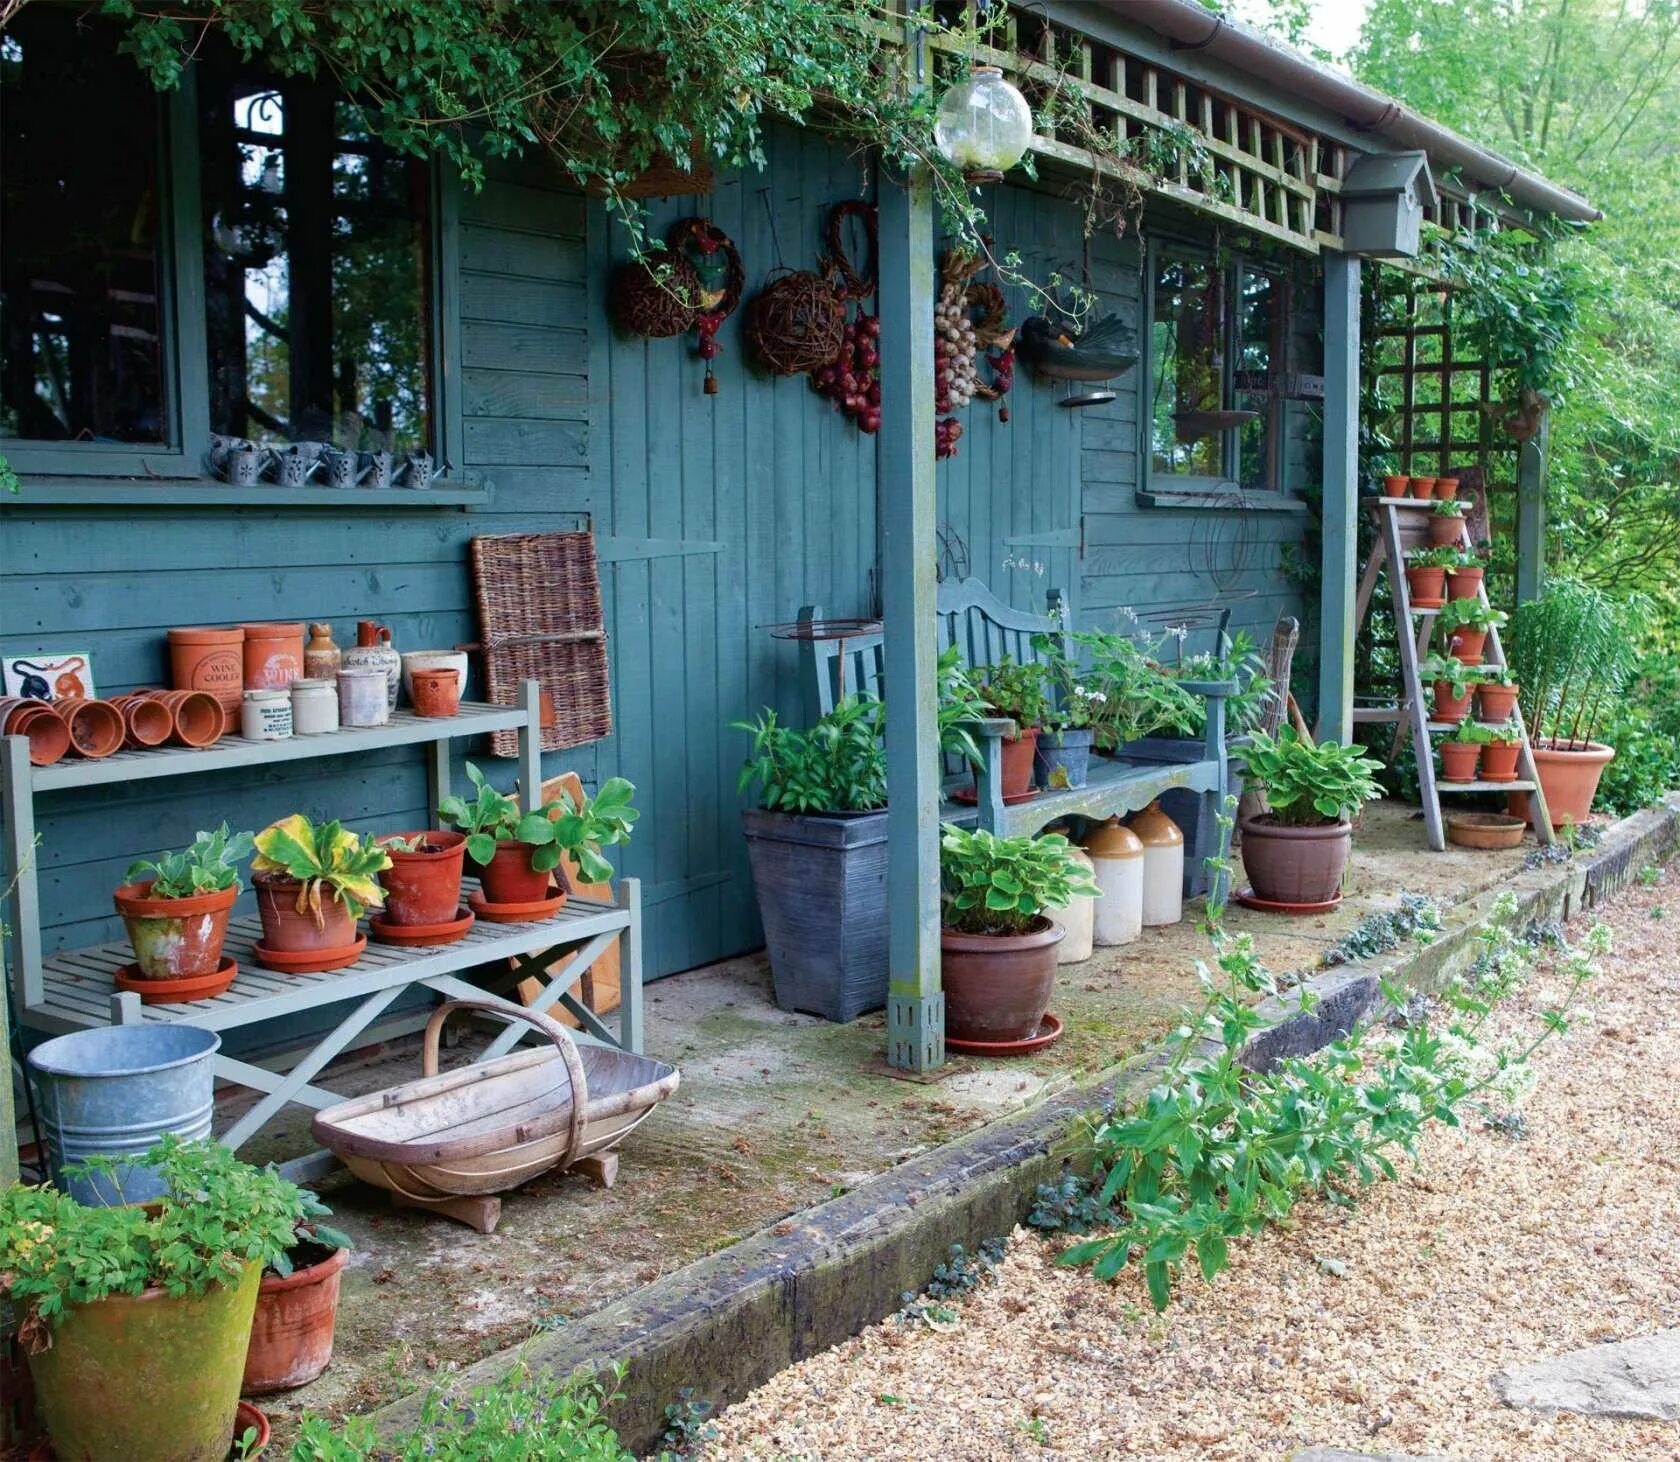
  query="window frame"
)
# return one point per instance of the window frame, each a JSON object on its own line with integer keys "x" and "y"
{"x": 184, "y": 344}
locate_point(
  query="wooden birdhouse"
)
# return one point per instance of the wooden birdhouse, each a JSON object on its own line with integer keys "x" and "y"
{"x": 1383, "y": 199}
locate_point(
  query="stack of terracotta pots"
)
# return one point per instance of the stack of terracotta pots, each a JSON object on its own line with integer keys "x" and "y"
{"x": 49, "y": 737}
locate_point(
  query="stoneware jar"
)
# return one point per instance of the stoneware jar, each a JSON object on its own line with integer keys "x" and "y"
{"x": 322, "y": 659}
{"x": 373, "y": 650}
{"x": 362, "y": 699}
{"x": 1163, "y": 866}
{"x": 1117, "y": 862}
{"x": 1078, "y": 918}
{"x": 266, "y": 715}
{"x": 273, "y": 655}
{"x": 314, "y": 707}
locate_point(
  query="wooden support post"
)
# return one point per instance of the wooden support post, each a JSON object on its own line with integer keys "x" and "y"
{"x": 1337, "y": 625}
{"x": 1531, "y": 516}
{"x": 909, "y": 556}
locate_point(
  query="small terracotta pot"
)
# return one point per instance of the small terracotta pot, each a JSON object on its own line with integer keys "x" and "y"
{"x": 1426, "y": 586}
{"x": 1467, "y": 644}
{"x": 998, "y": 986}
{"x": 1295, "y": 865}
{"x": 508, "y": 877}
{"x": 1464, "y": 582}
{"x": 1569, "y": 777}
{"x": 292, "y": 1332}
{"x": 149, "y": 722}
{"x": 209, "y": 658}
{"x": 1018, "y": 757}
{"x": 1423, "y": 487}
{"x": 96, "y": 727}
{"x": 1449, "y": 707}
{"x": 1395, "y": 486}
{"x": 1445, "y": 488}
{"x": 424, "y": 888}
{"x": 1499, "y": 761}
{"x": 175, "y": 938}
{"x": 285, "y": 929}
{"x": 1459, "y": 761}
{"x": 1445, "y": 530}
{"x": 272, "y": 655}
{"x": 1497, "y": 701}
{"x": 49, "y": 737}
{"x": 436, "y": 693}
{"x": 199, "y": 718}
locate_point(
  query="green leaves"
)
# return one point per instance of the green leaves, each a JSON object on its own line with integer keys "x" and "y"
{"x": 327, "y": 857}
{"x": 579, "y": 828}
{"x": 1307, "y": 784}
{"x": 996, "y": 885}
{"x": 839, "y": 765}
{"x": 210, "y": 865}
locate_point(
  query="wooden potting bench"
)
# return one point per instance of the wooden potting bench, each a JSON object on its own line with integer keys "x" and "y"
{"x": 75, "y": 989}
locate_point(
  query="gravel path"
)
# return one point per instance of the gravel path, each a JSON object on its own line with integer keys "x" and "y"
{"x": 1375, "y": 1330}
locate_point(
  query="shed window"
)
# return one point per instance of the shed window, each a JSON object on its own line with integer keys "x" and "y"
{"x": 81, "y": 270}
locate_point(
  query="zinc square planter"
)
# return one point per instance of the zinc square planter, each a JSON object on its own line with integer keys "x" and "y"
{"x": 822, "y": 895}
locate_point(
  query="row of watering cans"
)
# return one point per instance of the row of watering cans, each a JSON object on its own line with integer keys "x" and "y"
{"x": 244, "y": 464}
{"x": 1140, "y": 870}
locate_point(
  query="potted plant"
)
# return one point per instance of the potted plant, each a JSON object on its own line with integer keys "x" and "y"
{"x": 297, "y": 1305}
{"x": 1296, "y": 852}
{"x": 1461, "y": 752}
{"x": 1465, "y": 574}
{"x": 517, "y": 852}
{"x": 1018, "y": 692}
{"x": 1144, "y": 713}
{"x": 997, "y": 948}
{"x": 176, "y": 909}
{"x": 1499, "y": 754}
{"x": 1465, "y": 623}
{"x": 1453, "y": 684}
{"x": 1426, "y": 576}
{"x": 1064, "y": 746}
{"x": 136, "y": 1318}
{"x": 1496, "y": 693}
{"x": 1572, "y": 651}
{"x": 1395, "y": 484}
{"x": 1446, "y": 523}
{"x": 312, "y": 885}
{"x": 1423, "y": 487}
{"x": 423, "y": 883}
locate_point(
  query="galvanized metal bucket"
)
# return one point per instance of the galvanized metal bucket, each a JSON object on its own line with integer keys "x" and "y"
{"x": 115, "y": 1090}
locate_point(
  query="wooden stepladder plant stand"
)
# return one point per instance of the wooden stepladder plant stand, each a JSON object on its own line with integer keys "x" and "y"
{"x": 1401, "y": 525}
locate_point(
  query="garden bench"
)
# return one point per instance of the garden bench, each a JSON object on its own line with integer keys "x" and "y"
{"x": 985, "y": 629}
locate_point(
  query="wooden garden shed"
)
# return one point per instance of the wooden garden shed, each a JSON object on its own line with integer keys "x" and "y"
{"x": 238, "y": 259}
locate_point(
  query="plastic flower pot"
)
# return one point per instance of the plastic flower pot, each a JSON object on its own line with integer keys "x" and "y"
{"x": 1295, "y": 865}
{"x": 1063, "y": 759}
{"x": 1499, "y": 761}
{"x": 1459, "y": 761}
{"x": 1467, "y": 644}
{"x": 292, "y": 1331}
{"x": 1449, "y": 707}
{"x": 1445, "y": 529}
{"x": 175, "y": 938}
{"x": 287, "y": 930}
{"x": 1497, "y": 701}
{"x": 148, "y": 1375}
{"x": 508, "y": 877}
{"x": 1463, "y": 582}
{"x": 998, "y": 986}
{"x": 1426, "y": 586}
{"x": 424, "y": 887}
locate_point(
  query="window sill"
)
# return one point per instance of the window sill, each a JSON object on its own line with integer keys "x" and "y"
{"x": 123, "y": 492}
{"x": 1261, "y": 502}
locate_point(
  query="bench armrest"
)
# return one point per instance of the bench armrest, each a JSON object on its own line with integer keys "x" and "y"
{"x": 1214, "y": 692}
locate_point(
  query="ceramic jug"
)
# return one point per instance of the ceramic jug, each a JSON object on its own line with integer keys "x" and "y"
{"x": 373, "y": 650}
{"x": 322, "y": 659}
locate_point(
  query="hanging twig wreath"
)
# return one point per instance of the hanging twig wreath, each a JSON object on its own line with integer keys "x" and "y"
{"x": 716, "y": 263}
{"x": 797, "y": 322}
{"x": 694, "y": 285}
{"x": 967, "y": 318}
{"x": 852, "y": 377}
{"x": 652, "y": 298}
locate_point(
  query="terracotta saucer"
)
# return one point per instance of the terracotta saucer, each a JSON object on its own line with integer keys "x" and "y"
{"x": 175, "y": 992}
{"x": 1485, "y": 830}
{"x": 1247, "y": 897}
{"x": 1048, "y": 1033}
{"x": 308, "y": 961}
{"x": 515, "y": 913}
{"x": 968, "y": 796}
{"x": 447, "y": 933}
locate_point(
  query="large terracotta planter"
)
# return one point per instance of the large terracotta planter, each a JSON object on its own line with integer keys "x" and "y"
{"x": 289, "y": 931}
{"x": 998, "y": 986}
{"x": 1459, "y": 761}
{"x": 147, "y": 1375}
{"x": 508, "y": 878}
{"x": 292, "y": 1331}
{"x": 1295, "y": 865}
{"x": 424, "y": 887}
{"x": 1426, "y": 586}
{"x": 1569, "y": 777}
{"x": 175, "y": 938}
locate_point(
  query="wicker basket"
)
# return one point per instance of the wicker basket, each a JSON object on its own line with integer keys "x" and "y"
{"x": 539, "y": 614}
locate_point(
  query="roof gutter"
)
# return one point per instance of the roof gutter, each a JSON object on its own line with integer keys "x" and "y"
{"x": 1193, "y": 27}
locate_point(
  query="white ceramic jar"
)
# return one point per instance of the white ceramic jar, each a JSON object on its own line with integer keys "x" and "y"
{"x": 314, "y": 707}
{"x": 1117, "y": 860}
{"x": 1163, "y": 866}
{"x": 362, "y": 698}
{"x": 1078, "y": 918}
{"x": 266, "y": 715}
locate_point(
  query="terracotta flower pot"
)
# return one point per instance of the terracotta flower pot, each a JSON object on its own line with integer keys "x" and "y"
{"x": 209, "y": 658}
{"x": 436, "y": 692}
{"x": 175, "y": 938}
{"x": 1569, "y": 777}
{"x": 286, "y": 929}
{"x": 49, "y": 737}
{"x": 1462, "y": 583}
{"x": 199, "y": 718}
{"x": 1396, "y": 485}
{"x": 1446, "y": 488}
{"x": 292, "y": 1332}
{"x": 1497, "y": 701}
{"x": 1499, "y": 761}
{"x": 1426, "y": 586}
{"x": 1467, "y": 644}
{"x": 1295, "y": 865}
{"x": 998, "y": 986}
{"x": 148, "y": 720}
{"x": 1423, "y": 487}
{"x": 1445, "y": 529}
{"x": 1449, "y": 707}
{"x": 1018, "y": 757}
{"x": 96, "y": 727}
{"x": 1459, "y": 761}
{"x": 424, "y": 887}
{"x": 508, "y": 878}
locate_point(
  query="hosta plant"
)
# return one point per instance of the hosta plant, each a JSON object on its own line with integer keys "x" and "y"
{"x": 998, "y": 885}
{"x": 329, "y": 861}
{"x": 1309, "y": 785}
{"x": 579, "y": 827}
{"x": 210, "y": 865}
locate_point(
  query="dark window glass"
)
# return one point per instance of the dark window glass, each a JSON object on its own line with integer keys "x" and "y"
{"x": 1187, "y": 368}
{"x": 317, "y": 268}
{"x": 80, "y": 259}
{"x": 1259, "y": 353}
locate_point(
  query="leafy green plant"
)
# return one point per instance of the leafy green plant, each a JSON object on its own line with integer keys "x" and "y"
{"x": 578, "y": 826}
{"x": 1573, "y": 650}
{"x": 1070, "y": 1206}
{"x": 997, "y": 885}
{"x": 217, "y": 1215}
{"x": 1469, "y": 614}
{"x": 688, "y": 1424}
{"x": 1444, "y": 557}
{"x": 954, "y": 1278}
{"x": 329, "y": 859}
{"x": 1137, "y": 697}
{"x": 1240, "y": 664}
{"x": 1448, "y": 508}
{"x": 1471, "y": 733}
{"x": 1495, "y": 674}
{"x": 1459, "y": 676}
{"x": 312, "y": 1240}
{"x": 838, "y": 765}
{"x": 1417, "y": 917}
{"x": 1308, "y": 785}
{"x": 210, "y": 865}
{"x": 1017, "y": 691}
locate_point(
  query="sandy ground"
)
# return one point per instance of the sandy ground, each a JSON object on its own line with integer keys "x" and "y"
{"x": 1375, "y": 1330}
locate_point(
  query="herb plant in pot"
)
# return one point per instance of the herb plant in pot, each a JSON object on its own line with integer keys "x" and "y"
{"x": 1296, "y": 852}
{"x": 1453, "y": 683}
{"x": 176, "y": 910}
{"x": 1461, "y": 753}
{"x": 1446, "y": 523}
{"x": 1063, "y": 756}
{"x": 997, "y": 948}
{"x": 312, "y": 884}
{"x": 137, "y": 1318}
{"x": 297, "y": 1305}
{"x": 1464, "y": 625}
{"x": 1018, "y": 692}
{"x": 1499, "y": 755}
{"x": 1426, "y": 576}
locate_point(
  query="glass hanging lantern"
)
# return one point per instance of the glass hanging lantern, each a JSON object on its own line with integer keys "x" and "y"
{"x": 983, "y": 125}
